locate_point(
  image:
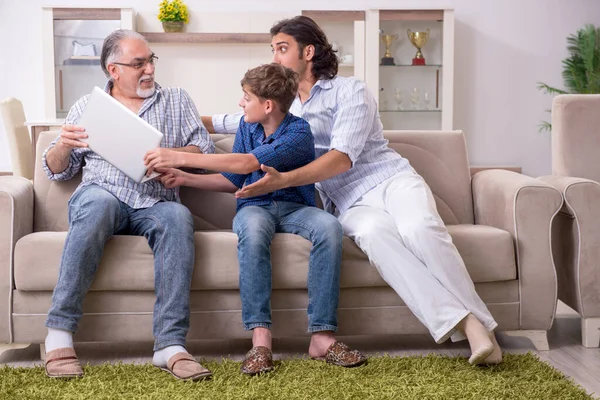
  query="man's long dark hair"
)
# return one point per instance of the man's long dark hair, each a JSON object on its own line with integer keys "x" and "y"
{"x": 306, "y": 32}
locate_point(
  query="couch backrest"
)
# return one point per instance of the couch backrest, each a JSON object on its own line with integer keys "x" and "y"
{"x": 440, "y": 157}
{"x": 576, "y": 135}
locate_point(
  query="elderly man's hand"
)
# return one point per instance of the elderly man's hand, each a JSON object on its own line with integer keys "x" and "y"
{"x": 162, "y": 158}
{"x": 70, "y": 135}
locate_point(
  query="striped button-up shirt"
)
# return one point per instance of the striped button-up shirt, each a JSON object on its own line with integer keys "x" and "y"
{"x": 291, "y": 146}
{"x": 171, "y": 111}
{"x": 342, "y": 114}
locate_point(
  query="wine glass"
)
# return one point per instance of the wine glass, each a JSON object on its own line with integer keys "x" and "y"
{"x": 427, "y": 100}
{"x": 414, "y": 98}
{"x": 384, "y": 105}
{"x": 398, "y": 97}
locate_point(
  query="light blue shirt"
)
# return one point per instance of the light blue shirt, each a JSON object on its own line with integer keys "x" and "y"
{"x": 171, "y": 111}
{"x": 342, "y": 114}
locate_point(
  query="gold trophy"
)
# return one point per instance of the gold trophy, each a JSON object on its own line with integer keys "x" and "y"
{"x": 418, "y": 39}
{"x": 388, "y": 40}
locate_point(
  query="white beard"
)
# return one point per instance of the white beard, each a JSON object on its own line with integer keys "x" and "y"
{"x": 145, "y": 93}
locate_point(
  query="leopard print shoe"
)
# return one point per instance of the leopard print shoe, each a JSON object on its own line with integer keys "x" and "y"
{"x": 342, "y": 355}
{"x": 258, "y": 360}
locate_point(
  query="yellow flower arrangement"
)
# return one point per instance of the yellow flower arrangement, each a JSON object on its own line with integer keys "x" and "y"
{"x": 173, "y": 10}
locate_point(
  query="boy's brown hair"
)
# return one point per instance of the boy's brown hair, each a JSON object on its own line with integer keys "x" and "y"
{"x": 272, "y": 82}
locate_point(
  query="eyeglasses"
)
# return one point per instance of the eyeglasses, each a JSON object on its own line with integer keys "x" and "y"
{"x": 140, "y": 64}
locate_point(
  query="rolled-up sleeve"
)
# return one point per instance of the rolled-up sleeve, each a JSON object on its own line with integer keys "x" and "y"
{"x": 77, "y": 154}
{"x": 353, "y": 120}
{"x": 226, "y": 123}
{"x": 193, "y": 131}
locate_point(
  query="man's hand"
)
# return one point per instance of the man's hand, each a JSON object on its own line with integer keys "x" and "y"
{"x": 172, "y": 177}
{"x": 162, "y": 158}
{"x": 272, "y": 181}
{"x": 69, "y": 137}
{"x": 58, "y": 157}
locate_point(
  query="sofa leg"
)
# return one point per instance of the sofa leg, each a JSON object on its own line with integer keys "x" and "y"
{"x": 590, "y": 332}
{"x": 13, "y": 346}
{"x": 538, "y": 338}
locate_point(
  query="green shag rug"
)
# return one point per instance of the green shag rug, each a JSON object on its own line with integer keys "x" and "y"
{"x": 431, "y": 377}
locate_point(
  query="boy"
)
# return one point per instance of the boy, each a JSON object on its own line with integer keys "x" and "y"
{"x": 269, "y": 135}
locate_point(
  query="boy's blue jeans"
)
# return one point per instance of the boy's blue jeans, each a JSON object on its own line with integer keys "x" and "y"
{"x": 255, "y": 227}
{"x": 94, "y": 216}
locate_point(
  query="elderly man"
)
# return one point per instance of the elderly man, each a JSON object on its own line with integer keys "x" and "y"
{"x": 107, "y": 202}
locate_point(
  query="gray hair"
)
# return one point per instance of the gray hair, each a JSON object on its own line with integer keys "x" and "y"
{"x": 111, "y": 48}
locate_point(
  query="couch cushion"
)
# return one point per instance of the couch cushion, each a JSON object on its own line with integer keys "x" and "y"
{"x": 127, "y": 263}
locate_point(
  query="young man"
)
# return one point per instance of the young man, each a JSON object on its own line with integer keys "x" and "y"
{"x": 269, "y": 134}
{"x": 382, "y": 203}
{"x": 107, "y": 202}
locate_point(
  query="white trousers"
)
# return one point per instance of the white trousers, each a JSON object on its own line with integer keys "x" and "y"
{"x": 398, "y": 227}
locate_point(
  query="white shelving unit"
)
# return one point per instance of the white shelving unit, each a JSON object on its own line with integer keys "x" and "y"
{"x": 433, "y": 82}
{"x": 65, "y": 83}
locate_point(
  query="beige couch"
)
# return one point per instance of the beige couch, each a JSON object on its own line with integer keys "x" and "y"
{"x": 499, "y": 221}
{"x": 576, "y": 230}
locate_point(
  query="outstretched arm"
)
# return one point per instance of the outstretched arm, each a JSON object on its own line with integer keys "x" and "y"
{"x": 327, "y": 166}
{"x": 236, "y": 163}
{"x": 216, "y": 182}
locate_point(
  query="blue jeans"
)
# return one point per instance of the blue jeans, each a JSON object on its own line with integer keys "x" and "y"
{"x": 94, "y": 216}
{"x": 255, "y": 227}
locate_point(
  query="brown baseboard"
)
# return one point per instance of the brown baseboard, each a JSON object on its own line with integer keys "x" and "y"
{"x": 5, "y": 173}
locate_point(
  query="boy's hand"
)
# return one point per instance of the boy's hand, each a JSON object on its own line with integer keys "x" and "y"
{"x": 172, "y": 177}
{"x": 162, "y": 158}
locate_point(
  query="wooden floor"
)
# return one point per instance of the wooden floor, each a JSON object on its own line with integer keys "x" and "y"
{"x": 566, "y": 352}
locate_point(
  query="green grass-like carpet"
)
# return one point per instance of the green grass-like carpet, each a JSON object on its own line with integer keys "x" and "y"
{"x": 521, "y": 376}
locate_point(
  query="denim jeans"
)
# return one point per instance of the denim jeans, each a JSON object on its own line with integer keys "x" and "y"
{"x": 255, "y": 227}
{"x": 94, "y": 216}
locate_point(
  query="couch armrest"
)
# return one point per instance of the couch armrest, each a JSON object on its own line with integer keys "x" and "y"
{"x": 16, "y": 221}
{"x": 525, "y": 207}
{"x": 576, "y": 243}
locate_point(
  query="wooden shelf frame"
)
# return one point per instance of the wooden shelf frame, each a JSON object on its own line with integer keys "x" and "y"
{"x": 86, "y": 13}
{"x": 334, "y": 15}
{"x": 206, "y": 37}
{"x": 411, "y": 15}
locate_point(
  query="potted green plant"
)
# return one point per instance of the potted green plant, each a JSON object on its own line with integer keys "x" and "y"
{"x": 581, "y": 70}
{"x": 173, "y": 14}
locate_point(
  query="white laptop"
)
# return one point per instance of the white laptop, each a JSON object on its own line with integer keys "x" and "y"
{"x": 119, "y": 135}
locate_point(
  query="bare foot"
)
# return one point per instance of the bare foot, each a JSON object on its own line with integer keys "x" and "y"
{"x": 478, "y": 337}
{"x": 319, "y": 343}
{"x": 496, "y": 356}
{"x": 262, "y": 337}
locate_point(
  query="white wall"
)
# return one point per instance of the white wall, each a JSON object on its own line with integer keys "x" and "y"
{"x": 503, "y": 47}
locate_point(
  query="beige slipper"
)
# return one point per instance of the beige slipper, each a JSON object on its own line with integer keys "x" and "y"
{"x": 62, "y": 363}
{"x": 185, "y": 367}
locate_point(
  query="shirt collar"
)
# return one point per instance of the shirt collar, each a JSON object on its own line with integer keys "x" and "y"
{"x": 322, "y": 84}
{"x": 147, "y": 101}
{"x": 325, "y": 83}
{"x": 258, "y": 131}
